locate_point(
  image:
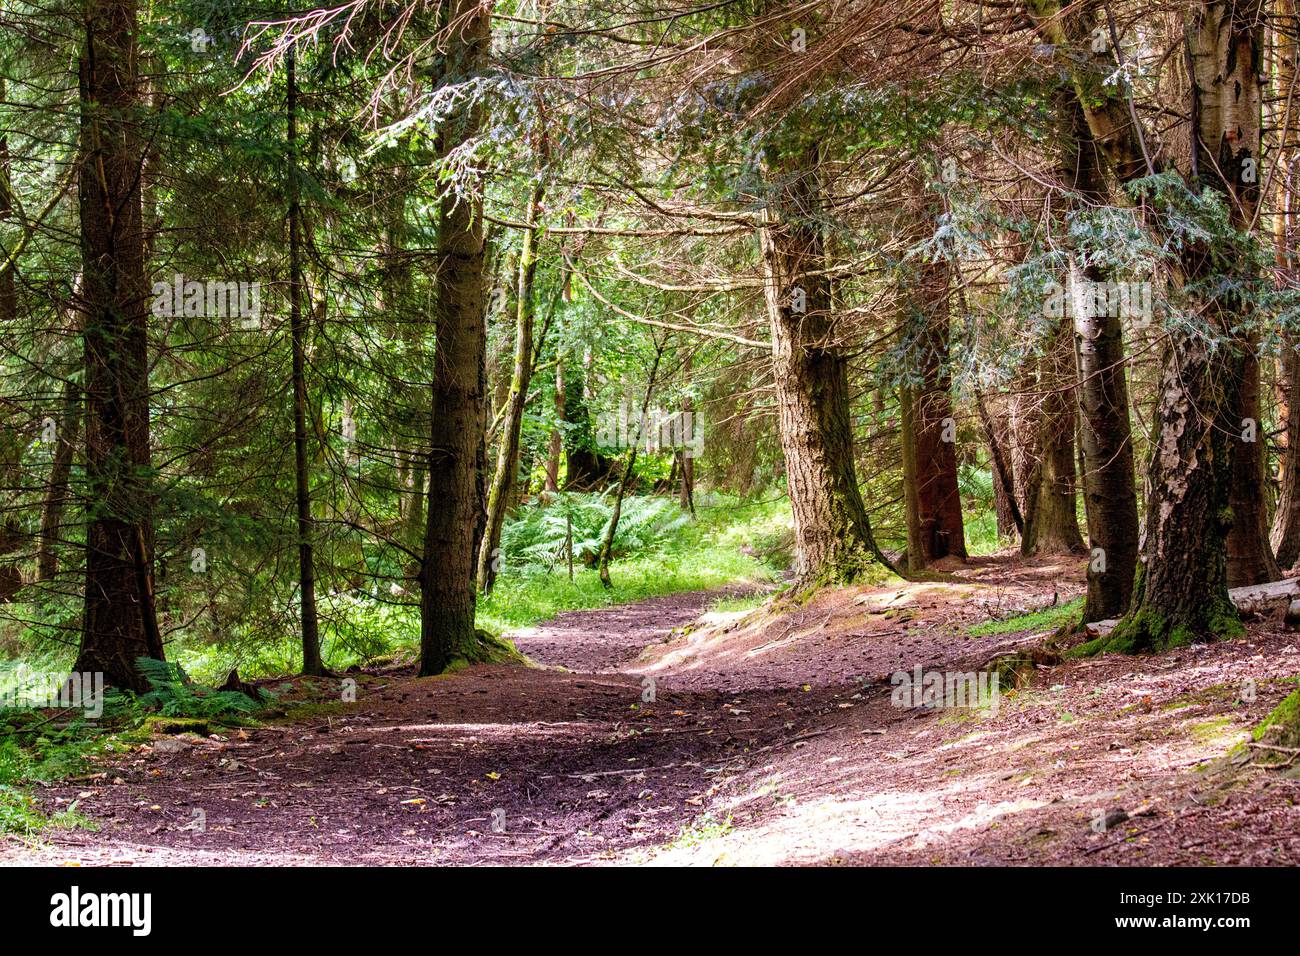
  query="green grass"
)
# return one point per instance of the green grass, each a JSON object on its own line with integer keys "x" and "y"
{"x": 742, "y": 602}
{"x": 1043, "y": 620}
{"x": 981, "y": 530}
{"x": 705, "y": 553}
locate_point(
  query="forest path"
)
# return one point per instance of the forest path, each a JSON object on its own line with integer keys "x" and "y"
{"x": 493, "y": 765}
{"x": 769, "y": 740}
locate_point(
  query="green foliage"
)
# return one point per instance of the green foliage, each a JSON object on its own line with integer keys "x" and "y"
{"x": 34, "y": 750}
{"x": 726, "y": 543}
{"x": 980, "y": 520}
{"x": 175, "y": 695}
{"x": 19, "y": 813}
{"x": 537, "y": 537}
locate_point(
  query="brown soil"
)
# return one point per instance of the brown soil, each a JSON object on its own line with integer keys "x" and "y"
{"x": 771, "y": 739}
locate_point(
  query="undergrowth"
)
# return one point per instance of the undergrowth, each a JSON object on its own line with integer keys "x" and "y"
{"x": 44, "y": 745}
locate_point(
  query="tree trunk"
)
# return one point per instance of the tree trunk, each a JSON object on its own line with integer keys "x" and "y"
{"x": 311, "y": 661}
{"x": 8, "y": 277}
{"x": 120, "y": 623}
{"x": 833, "y": 539}
{"x": 507, "y": 467}
{"x": 457, "y": 453}
{"x": 611, "y": 529}
{"x": 1052, "y": 524}
{"x": 416, "y": 494}
{"x": 68, "y": 431}
{"x": 11, "y": 578}
{"x": 686, "y": 479}
{"x": 934, "y": 519}
{"x": 1024, "y": 425}
{"x": 1285, "y": 537}
{"x": 556, "y": 447}
{"x": 1105, "y": 435}
{"x": 1250, "y": 556}
{"x": 1181, "y": 590}
{"x": 686, "y": 455}
{"x": 1286, "y": 520}
{"x": 1010, "y": 521}
{"x": 1109, "y": 489}
{"x": 584, "y": 467}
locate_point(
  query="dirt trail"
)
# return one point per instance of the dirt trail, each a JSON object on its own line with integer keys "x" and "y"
{"x": 771, "y": 739}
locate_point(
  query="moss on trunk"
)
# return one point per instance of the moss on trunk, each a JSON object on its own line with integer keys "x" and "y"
{"x": 1281, "y": 729}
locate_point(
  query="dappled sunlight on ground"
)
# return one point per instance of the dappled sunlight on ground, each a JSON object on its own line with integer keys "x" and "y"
{"x": 737, "y": 737}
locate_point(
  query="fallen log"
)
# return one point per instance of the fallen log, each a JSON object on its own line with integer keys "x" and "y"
{"x": 1251, "y": 599}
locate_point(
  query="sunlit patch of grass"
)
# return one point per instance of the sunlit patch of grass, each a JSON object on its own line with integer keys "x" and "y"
{"x": 1209, "y": 731}
{"x": 706, "y": 553}
{"x": 742, "y": 602}
{"x": 700, "y": 831}
{"x": 729, "y": 541}
{"x": 1045, "y": 619}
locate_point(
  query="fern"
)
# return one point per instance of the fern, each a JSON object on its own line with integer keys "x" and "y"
{"x": 175, "y": 695}
{"x": 537, "y": 536}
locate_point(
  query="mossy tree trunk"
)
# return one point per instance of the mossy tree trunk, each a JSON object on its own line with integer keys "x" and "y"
{"x": 1181, "y": 587}
{"x": 507, "y": 465}
{"x": 833, "y": 539}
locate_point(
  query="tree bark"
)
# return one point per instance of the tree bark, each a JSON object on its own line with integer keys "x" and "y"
{"x": 457, "y": 453}
{"x": 8, "y": 277}
{"x": 1052, "y": 524}
{"x": 11, "y": 578}
{"x": 934, "y": 518}
{"x": 1105, "y": 435}
{"x": 1250, "y": 556}
{"x": 833, "y": 539}
{"x": 1010, "y": 521}
{"x": 1181, "y": 589}
{"x": 1285, "y": 537}
{"x": 1109, "y": 489}
{"x": 120, "y": 622}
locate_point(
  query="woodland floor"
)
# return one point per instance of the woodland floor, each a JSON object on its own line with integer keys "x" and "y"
{"x": 771, "y": 740}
